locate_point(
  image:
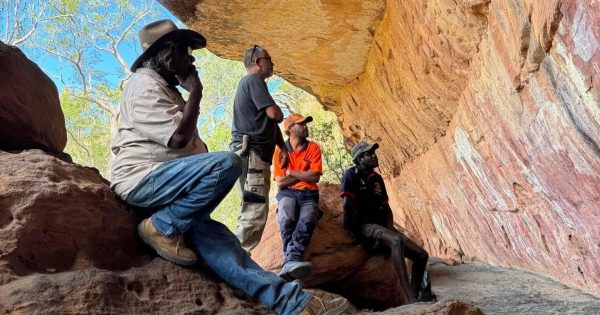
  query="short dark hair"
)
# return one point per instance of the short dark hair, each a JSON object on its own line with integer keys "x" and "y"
{"x": 250, "y": 53}
{"x": 164, "y": 57}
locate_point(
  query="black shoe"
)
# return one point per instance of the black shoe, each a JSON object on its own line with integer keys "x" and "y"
{"x": 425, "y": 293}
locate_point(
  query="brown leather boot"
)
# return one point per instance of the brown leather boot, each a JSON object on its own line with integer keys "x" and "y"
{"x": 316, "y": 306}
{"x": 170, "y": 248}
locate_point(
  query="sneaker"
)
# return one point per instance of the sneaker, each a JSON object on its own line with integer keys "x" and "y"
{"x": 170, "y": 248}
{"x": 295, "y": 270}
{"x": 316, "y": 306}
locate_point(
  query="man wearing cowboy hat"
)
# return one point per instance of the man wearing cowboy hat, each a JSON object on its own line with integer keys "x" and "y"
{"x": 369, "y": 218}
{"x": 162, "y": 167}
{"x": 298, "y": 195}
{"x": 255, "y": 134}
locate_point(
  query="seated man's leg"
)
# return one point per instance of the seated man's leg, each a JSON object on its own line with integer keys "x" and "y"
{"x": 180, "y": 189}
{"x": 254, "y": 184}
{"x": 222, "y": 252}
{"x": 288, "y": 218}
{"x": 395, "y": 242}
{"x": 307, "y": 222}
{"x": 419, "y": 258}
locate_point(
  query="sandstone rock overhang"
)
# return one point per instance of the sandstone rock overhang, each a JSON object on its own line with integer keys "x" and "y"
{"x": 319, "y": 46}
{"x": 486, "y": 112}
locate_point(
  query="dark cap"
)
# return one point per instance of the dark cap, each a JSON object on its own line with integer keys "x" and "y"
{"x": 362, "y": 147}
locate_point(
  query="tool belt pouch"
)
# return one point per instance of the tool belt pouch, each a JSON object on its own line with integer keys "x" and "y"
{"x": 254, "y": 187}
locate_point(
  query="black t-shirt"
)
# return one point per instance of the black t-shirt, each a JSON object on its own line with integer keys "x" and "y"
{"x": 370, "y": 196}
{"x": 250, "y": 118}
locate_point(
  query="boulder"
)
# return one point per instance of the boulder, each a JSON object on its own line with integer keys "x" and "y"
{"x": 67, "y": 245}
{"x": 339, "y": 264}
{"x": 444, "y": 307}
{"x": 158, "y": 287}
{"x": 30, "y": 112}
{"x": 57, "y": 216}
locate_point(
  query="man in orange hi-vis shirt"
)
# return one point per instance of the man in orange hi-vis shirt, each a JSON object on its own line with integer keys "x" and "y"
{"x": 298, "y": 195}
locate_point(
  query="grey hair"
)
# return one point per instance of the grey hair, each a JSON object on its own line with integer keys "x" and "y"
{"x": 164, "y": 57}
{"x": 248, "y": 55}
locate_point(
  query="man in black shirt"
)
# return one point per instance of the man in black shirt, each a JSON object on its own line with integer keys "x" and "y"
{"x": 254, "y": 135}
{"x": 369, "y": 218}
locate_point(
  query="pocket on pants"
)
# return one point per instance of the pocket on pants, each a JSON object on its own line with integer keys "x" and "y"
{"x": 254, "y": 188}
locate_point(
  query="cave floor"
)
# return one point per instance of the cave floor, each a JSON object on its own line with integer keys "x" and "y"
{"x": 498, "y": 290}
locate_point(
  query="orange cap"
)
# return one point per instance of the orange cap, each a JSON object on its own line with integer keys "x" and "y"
{"x": 295, "y": 118}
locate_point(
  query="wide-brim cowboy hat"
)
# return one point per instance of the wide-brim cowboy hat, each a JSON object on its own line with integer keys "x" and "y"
{"x": 154, "y": 35}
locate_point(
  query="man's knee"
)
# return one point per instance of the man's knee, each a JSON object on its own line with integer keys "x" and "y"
{"x": 308, "y": 221}
{"x": 398, "y": 241}
{"x": 422, "y": 255}
{"x": 286, "y": 209}
{"x": 232, "y": 163}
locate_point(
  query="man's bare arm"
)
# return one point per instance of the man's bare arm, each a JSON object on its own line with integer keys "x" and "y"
{"x": 275, "y": 113}
{"x": 285, "y": 181}
{"x": 389, "y": 217}
{"x": 284, "y": 158}
{"x": 305, "y": 176}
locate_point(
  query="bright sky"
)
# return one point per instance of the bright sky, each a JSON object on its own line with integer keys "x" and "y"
{"x": 51, "y": 64}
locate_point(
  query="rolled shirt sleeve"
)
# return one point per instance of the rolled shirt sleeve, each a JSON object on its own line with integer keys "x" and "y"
{"x": 277, "y": 170}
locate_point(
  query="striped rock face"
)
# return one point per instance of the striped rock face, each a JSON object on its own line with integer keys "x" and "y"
{"x": 486, "y": 112}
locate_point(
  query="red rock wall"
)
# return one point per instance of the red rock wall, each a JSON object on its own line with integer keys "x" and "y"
{"x": 486, "y": 112}
{"x": 512, "y": 178}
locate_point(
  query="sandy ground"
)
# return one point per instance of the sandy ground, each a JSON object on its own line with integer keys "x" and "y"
{"x": 506, "y": 291}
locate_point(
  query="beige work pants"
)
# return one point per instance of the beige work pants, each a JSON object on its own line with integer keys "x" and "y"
{"x": 254, "y": 184}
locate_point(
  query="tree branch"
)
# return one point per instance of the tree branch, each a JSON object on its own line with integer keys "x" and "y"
{"x": 103, "y": 104}
{"x": 64, "y": 57}
{"x": 80, "y": 144}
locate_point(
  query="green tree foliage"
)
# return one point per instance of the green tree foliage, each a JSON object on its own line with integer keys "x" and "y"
{"x": 218, "y": 140}
{"x": 89, "y": 41}
{"x": 89, "y": 131}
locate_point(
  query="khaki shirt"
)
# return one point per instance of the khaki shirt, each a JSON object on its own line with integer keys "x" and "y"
{"x": 150, "y": 113}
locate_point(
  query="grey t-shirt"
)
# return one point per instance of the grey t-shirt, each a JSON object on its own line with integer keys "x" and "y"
{"x": 250, "y": 118}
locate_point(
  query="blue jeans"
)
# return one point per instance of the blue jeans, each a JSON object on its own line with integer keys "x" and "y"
{"x": 298, "y": 213}
{"x": 182, "y": 193}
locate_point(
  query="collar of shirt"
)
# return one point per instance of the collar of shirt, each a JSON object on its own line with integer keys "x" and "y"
{"x": 155, "y": 75}
{"x": 289, "y": 146}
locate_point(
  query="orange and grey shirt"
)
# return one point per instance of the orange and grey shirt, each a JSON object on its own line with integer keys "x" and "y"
{"x": 307, "y": 159}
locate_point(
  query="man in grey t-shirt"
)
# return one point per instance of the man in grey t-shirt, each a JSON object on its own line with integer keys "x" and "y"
{"x": 254, "y": 135}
